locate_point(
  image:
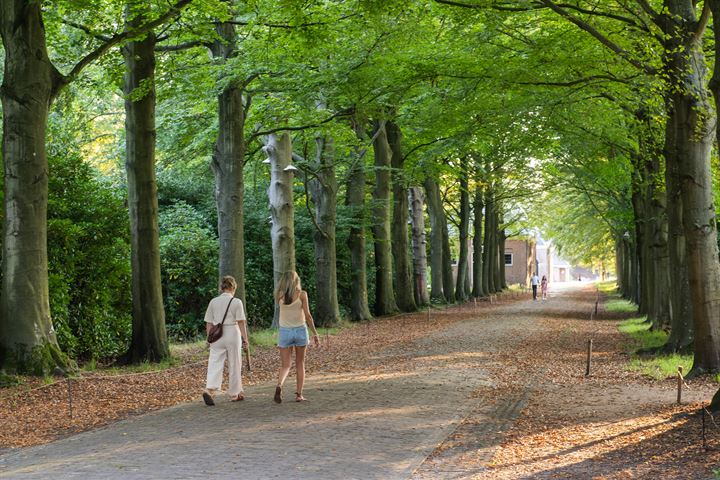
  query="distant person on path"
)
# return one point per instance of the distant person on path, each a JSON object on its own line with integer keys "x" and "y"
{"x": 534, "y": 280}
{"x": 226, "y": 306}
{"x": 294, "y": 319}
{"x": 543, "y": 287}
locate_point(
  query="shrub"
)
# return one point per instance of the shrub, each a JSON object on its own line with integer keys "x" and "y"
{"x": 188, "y": 264}
{"x": 88, "y": 260}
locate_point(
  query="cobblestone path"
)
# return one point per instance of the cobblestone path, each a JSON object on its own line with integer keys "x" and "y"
{"x": 377, "y": 425}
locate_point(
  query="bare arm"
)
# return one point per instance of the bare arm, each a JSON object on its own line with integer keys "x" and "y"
{"x": 308, "y": 316}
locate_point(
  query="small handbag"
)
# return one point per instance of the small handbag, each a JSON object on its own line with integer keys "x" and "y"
{"x": 216, "y": 330}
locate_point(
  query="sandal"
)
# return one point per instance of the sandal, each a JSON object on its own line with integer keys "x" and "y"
{"x": 299, "y": 397}
{"x": 278, "y": 394}
{"x": 238, "y": 398}
{"x": 208, "y": 399}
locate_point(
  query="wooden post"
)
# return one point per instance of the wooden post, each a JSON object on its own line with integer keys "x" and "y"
{"x": 679, "y": 384}
{"x": 428, "y": 313}
{"x": 69, "y": 389}
{"x": 703, "y": 427}
{"x": 589, "y": 357}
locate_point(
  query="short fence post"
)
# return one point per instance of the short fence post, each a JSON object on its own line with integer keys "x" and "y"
{"x": 704, "y": 440}
{"x": 69, "y": 389}
{"x": 679, "y": 384}
{"x": 428, "y": 313}
{"x": 589, "y": 357}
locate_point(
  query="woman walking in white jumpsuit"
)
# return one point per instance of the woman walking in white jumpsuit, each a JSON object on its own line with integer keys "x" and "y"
{"x": 226, "y": 306}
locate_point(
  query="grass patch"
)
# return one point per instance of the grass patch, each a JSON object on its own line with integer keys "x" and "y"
{"x": 266, "y": 337}
{"x": 619, "y": 305}
{"x": 639, "y": 330}
{"x": 658, "y": 367}
{"x": 607, "y": 287}
{"x": 662, "y": 367}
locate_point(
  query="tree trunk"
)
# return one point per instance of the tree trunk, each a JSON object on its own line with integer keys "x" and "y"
{"x": 419, "y": 247}
{"x": 404, "y": 294}
{"x": 461, "y": 290}
{"x": 501, "y": 260}
{"x": 681, "y": 316}
{"x": 640, "y": 220}
{"x": 436, "y": 215}
{"x": 323, "y": 192}
{"x": 149, "y": 338}
{"x": 28, "y": 343}
{"x": 478, "y": 204}
{"x": 693, "y": 119}
{"x": 488, "y": 248}
{"x": 227, "y": 164}
{"x": 448, "y": 280}
{"x": 384, "y": 295}
{"x": 355, "y": 200}
{"x": 282, "y": 214}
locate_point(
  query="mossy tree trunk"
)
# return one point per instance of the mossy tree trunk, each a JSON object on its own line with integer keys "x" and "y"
{"x": 436, "y": 215}
{"x": 385, "y": 303}
{"x": 463, "y": 277}
{"x": 355, "y": 200}
{"x": 478, "y": 289}
{"x": 28, "y": 343}
{"x": 323, "y": 192}
{"x": 404, "y": 291}
{"x": 149, "y": 338}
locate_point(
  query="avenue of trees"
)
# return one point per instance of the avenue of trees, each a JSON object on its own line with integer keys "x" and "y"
{"x": 384, "y": 149}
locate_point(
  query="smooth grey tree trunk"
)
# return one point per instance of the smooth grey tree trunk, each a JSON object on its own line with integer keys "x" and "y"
{"x": 282, "y": 213}
{"x": 419, "y": 247}
{"x": 436, "y": 215}
{"x": 463, "y": 278}
{"x": 448, "y": 280}
{"x": 227, "y": 165}
{"x": 355, "y": 200}
{"x": 323, "y": 193}
{"x": 385, "y": 303}
{"x": 478, "y": 289}
{"x": 404, "y": 285}
{"x": 28, "y": 343}
{"x": 149, "y": 338}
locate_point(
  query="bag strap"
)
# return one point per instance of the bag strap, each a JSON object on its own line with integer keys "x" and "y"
{"x": 226, "y": 310}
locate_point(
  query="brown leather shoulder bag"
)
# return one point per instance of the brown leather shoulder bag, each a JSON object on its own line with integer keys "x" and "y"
{"x": 216, "y": 330}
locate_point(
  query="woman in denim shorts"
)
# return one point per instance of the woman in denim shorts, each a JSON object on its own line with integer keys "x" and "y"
{"x": 294, "y": 319}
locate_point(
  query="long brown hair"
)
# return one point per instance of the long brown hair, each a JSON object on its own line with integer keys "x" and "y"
{"x": 288, "y": 286}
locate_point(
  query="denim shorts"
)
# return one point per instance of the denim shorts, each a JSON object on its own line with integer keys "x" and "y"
{"x": 293, "y": 337}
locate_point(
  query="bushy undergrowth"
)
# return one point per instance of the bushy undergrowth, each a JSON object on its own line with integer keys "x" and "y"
{"x": 88, "y": 260}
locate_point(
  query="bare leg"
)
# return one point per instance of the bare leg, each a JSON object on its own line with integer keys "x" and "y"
{"x": 285, "y": 360}
{"x": 300, "y": 367}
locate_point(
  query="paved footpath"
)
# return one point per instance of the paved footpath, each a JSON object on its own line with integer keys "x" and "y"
{"x": 365, "y": 425}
